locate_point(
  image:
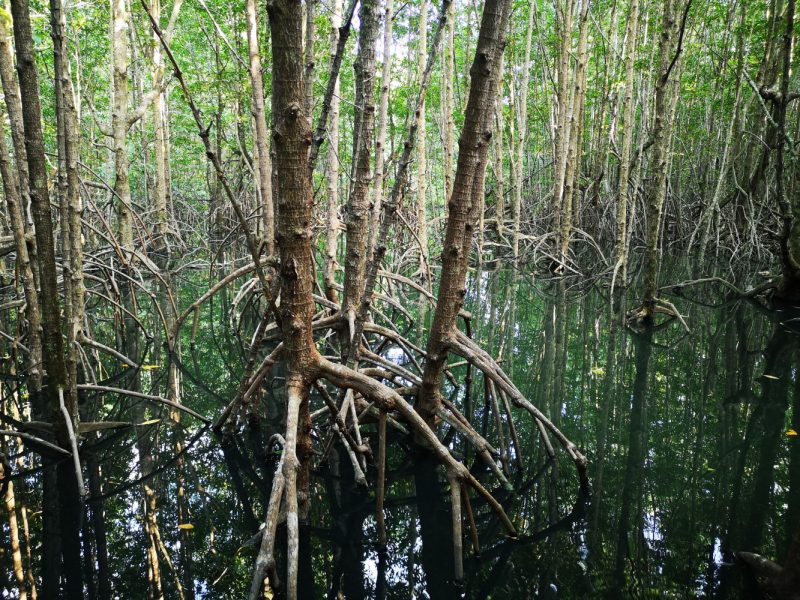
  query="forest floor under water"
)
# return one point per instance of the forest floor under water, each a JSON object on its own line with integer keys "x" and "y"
{"x": 694, "y": 456}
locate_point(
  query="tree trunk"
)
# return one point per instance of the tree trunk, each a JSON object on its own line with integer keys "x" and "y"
{"x": 628, "y": 120}
{"x": 357, "y": 208}
{"x": 422, "y": 175}
{"x": 568, "y": 202}
{"x": 474, "y": 145}
{"x": 332, "y": 168}
{"x": 261, "y": 130}
{"x": 52, "y": 342}
{"x": 662, "y": 141}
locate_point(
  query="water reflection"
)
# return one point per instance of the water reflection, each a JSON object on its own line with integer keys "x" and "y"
{"x": 690, "y": 462}
{"x": 687, "y": 435}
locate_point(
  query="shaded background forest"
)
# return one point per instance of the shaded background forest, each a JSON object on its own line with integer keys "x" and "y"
{"x": 635, "y": 232}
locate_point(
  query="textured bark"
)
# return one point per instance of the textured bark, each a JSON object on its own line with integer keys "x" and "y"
{"x": 628, "y": 120}
{"x": 357, "y": 209}
{"x": 332, "y": 168}
{"x": 261, "y": 132}
{"x": 292, "y": 140}
{"x": 473, "y": 149}
{"x": 662, "y": 137}
{"x": 52, "y": 342}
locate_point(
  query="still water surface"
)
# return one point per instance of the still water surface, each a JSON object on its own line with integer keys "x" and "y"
{"x": 690, "y": 444}
{"x": 687, "y": 434}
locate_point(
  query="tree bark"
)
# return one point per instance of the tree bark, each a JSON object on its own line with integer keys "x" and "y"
{"x": 52, "y": 342}
{"x": 628, "y": 120}
{"x": 357, "y": 209}
{"x": 332, "y": 168}
{"x": 473, "y": 149}
{"x": 662, "y": 140}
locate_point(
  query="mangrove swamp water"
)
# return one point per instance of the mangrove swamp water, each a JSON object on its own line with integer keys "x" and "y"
{"x": 690, "y": 438}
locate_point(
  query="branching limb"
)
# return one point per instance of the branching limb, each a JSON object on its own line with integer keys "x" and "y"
{"x": 113, "y": 390}
{"x": 466, "y": 348}
{"x": 482, "y": 447}
{"x": 388, "y": 399}
{"x": 265, "y": 561}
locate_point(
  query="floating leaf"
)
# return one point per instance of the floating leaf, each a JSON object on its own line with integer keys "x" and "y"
{"x": 185, "y": 526}
{"x": 771, "y": 377}
{"x": 150, "y": 367}
{"x": 151, "y": 422}
{"x": 791, "y": 432}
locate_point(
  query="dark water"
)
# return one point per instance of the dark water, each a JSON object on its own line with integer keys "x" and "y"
{"x": 698, "y": 459}
{"x": 687, "y": 434}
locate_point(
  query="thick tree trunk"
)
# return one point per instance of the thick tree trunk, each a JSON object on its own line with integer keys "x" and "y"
{"x": 292, "y": 141}
{"x": 473, "y": 145}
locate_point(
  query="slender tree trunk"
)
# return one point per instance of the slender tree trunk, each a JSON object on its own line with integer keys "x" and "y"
{"x": 449, "y": 103}
{"x": 71, "y": 204}
{"x": 522, "y": 131}
{"x": 120, "y": 124}
{"x": 628, "y": 120}
{"x": 310, "y": 40}
{"x": 564, "y": 21}
{"x": 52, "y": 342}
{"x": 422, "y": 175}
{"x": 261, "y": 130}
{"x": 380, "y": 140}
{"x": 357, "y": 209}
{"x": 662, "y": 141}
{"x": 13, "y": 529}
{"x": 498, "y": 162}
{"x": 575, "y": 129}
{"x": 332, "y": 168}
